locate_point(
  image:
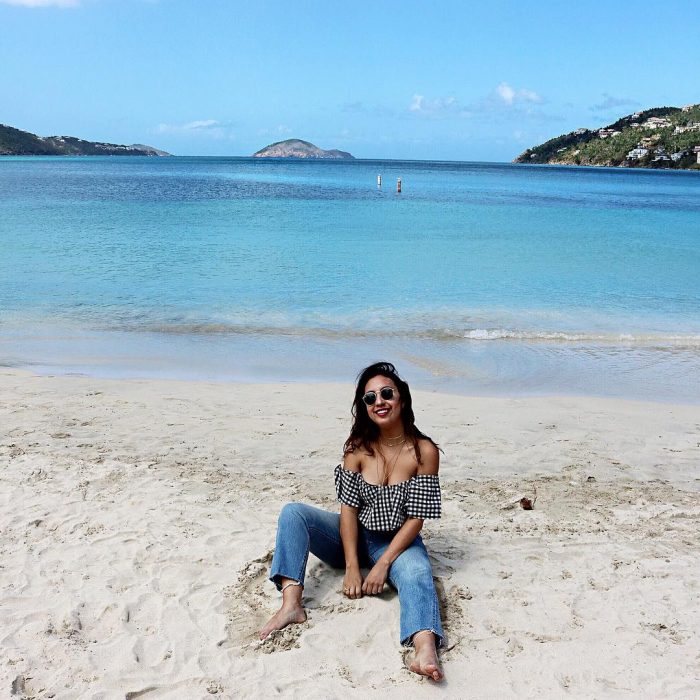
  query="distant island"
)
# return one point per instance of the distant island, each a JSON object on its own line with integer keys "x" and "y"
{"x": 296, "y": 148}
{"x": 662, "y": 137}
{"x": 14, "y": 142}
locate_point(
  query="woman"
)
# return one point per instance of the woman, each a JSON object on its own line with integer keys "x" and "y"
{"x": 387, "y": 485}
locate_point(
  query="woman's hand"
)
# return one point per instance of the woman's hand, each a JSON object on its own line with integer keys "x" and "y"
{"x": 352, "y": 583}
{"x": 376, "y": 578}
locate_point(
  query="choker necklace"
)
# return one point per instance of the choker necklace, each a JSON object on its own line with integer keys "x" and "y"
{"x": 395, "y": 441}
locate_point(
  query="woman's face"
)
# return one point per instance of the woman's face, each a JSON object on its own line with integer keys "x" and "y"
{"x": 384, "y": 412}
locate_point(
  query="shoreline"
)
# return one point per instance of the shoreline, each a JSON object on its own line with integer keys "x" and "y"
{"x": 138, "y": 519}
{"x": 420, "y": 386}
{"x": 465, "y": 366}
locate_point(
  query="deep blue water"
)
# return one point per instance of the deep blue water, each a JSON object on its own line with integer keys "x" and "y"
{"x": 477, "y": 277}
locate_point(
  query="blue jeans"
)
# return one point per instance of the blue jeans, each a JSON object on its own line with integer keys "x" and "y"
{"x": 302, "y": 529}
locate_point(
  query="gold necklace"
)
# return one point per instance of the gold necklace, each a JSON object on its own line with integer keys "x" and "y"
{"x": 388, "y": 472}
{"x": 394, "y": 441}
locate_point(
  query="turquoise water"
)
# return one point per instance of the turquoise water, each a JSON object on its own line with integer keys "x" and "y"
{"x": 488, "y": 278}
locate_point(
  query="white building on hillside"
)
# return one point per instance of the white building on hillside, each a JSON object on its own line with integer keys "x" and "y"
{"x": 656, "y": 123}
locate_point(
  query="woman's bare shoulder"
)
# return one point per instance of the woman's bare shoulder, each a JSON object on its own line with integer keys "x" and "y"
{"x": 352, "y": 461}
{"x": 429, "y": 456}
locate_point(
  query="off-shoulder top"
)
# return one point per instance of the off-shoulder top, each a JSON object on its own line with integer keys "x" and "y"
{"x": 388, "y": 507}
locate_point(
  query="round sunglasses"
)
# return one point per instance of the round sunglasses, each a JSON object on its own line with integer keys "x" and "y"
{"x": 370, "y": 398}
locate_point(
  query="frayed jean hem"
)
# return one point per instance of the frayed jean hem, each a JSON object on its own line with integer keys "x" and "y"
{"x": 439, "y": 639}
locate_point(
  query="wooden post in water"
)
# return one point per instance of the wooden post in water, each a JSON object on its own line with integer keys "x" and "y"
{"x": 398, "y": 186}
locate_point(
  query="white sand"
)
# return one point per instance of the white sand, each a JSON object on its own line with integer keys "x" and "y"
{"x": 138, "y": 517}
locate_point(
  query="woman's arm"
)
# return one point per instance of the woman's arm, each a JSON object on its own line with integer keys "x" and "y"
{"x": 374, "y": 583}
{"x": 376, "y": 578}
{"x": 352, "y": 582}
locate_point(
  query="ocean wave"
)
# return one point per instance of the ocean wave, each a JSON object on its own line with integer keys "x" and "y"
{"x": 372, "y": 324}
{"x": 434, "y": 334}
{"x": 583, "y": 336}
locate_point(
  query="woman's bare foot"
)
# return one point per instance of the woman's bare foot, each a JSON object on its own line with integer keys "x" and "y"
{"x": 425, "y": 661}
{"x": 291, "y": 611}
{"x": 281, "y": 619}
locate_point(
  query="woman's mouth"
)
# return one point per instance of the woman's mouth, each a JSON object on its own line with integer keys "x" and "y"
{"x": 381, "y": 412}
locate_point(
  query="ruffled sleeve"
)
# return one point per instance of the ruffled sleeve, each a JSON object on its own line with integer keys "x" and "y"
{"x": 347, "y": 486}
{"x": 423, "y": 498}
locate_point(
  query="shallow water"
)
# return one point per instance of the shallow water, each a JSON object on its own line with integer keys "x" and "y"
{"x": 485, "y": 278}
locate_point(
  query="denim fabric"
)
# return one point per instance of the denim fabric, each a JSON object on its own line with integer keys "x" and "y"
{"x": 302, "y": 529}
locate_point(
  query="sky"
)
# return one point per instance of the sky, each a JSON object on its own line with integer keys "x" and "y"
{"x": 384, "y": 79}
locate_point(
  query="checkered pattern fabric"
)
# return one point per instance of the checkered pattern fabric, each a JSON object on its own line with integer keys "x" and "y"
{"x": 387, "y": 507}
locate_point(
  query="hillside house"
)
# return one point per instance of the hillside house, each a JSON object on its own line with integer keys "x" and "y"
{"x": 692, "y": 126}
{"x": 637, "y": 153}
{"x": 656, "y": 123}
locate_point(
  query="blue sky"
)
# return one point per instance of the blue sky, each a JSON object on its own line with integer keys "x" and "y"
{"x": 382, "y": 79}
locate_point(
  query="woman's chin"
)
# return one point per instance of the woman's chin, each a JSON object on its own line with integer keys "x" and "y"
{"x": 387, "y": 422}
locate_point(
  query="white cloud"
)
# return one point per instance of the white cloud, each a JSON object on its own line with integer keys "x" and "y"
{"x": 210, "y": 128}
{"x": 199, "y": 125}
{"x": 438, "y": 107}
{"x": 506, "y": 93}
{"x": 504, "y": 97}
{"x": 510, "y": 96}
{"x": 417, "y": 103}
{"x": 529, "y": 95}
{"x": 42, "y": 3}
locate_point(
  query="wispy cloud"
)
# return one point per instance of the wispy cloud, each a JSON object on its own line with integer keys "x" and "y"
{"x": 506, "y": 102}
{"x": 210, "y": 127}
{"x": 439, "y": 107}
{"x": 611, "y": 102}
{"x": 502, "y": 102}
{"x": 42, "y": 3}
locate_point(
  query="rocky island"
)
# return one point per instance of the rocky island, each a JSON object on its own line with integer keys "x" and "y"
{"x": 661, "y": 137}
{"x": 296, "y": 148}
{"x": 14, "y": 142}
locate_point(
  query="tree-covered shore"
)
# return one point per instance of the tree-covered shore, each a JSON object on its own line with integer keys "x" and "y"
{"x": 661, "y": 137}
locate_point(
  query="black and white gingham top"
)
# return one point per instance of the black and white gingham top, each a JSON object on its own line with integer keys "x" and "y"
{"x": 388, "y": 507}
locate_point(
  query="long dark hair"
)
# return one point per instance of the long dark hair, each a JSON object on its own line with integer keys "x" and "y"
{"x": 364, "y": 431}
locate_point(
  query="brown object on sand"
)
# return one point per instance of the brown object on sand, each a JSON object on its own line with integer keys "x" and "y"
{"x": 526, "y": 503}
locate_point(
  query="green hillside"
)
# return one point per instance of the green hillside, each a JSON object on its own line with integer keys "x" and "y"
{"x": 14, "y": 142}
{"x": 662, "y": 137}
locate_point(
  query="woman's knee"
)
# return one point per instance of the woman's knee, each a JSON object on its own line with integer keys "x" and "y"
{"x": 412, "y": 572}
{"x": 292, "y": 511}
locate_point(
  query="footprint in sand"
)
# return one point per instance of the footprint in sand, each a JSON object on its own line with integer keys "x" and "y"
{"x": 451, "y": 603}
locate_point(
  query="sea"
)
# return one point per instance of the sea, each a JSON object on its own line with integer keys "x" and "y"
{"x": 478, "y": 278}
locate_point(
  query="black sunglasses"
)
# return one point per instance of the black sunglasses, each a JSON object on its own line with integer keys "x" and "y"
{"x": 370, "y": 398}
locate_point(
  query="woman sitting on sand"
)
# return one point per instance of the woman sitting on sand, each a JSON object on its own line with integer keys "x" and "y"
{"x": 387, "y": 484}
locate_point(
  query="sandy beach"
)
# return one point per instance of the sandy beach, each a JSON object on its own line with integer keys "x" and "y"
{"x": 138, "y": 520}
